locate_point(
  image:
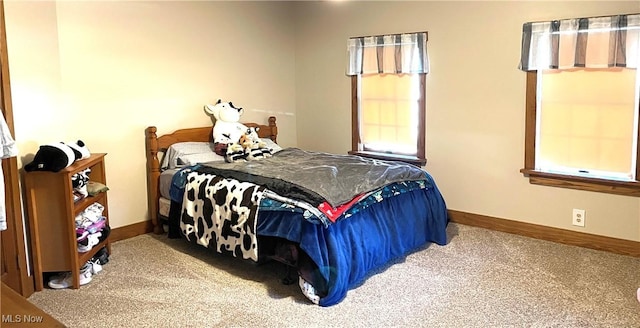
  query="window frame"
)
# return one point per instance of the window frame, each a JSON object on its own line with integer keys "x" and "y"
{"x": 420, "y": 158}
{"x": 627, "y": 188}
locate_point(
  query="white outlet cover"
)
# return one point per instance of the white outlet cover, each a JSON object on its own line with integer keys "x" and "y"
{"x": 579, "y": 217}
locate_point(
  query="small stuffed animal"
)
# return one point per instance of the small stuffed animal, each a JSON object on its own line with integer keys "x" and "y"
{"x": 254, "y": 147}
{"x": 56, "y": 156}
{"x": 235, "y": 153}
{"x": 249, "y": 139}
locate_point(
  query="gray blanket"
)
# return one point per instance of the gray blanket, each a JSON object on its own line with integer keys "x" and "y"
{"x": 316, "y": 177}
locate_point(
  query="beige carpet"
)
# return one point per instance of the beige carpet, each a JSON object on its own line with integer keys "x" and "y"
{"x": 482, "y": 278}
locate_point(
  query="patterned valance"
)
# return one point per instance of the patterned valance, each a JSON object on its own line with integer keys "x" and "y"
{"x": 393, "y": 53}
{"x": 595, "y": 42}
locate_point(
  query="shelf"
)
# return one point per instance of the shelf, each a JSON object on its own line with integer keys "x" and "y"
{"x": 52, "y": 212}
{"x": 82, "y": 164}
{"x": 83, "y": 203}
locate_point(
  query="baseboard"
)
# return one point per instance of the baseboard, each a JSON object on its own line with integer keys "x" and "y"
{"x": 562, "y": 236}
{"x": 131, "y": 230}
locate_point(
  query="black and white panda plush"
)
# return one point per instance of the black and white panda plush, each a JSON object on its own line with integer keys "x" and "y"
{"x": 56, "y": 156}
{"x": 80, "y": 150}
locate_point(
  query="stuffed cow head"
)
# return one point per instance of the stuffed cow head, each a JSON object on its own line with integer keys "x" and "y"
{"x": 224, "y": 111}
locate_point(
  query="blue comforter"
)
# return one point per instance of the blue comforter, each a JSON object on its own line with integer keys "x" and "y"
{"x": 347, "y": 251}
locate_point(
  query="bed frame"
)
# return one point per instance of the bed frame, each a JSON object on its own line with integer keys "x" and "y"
{"x": 155, "y": 144}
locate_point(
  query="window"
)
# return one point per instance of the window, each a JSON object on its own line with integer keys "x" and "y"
{"x": 586, "y": 121}
{"x": 389, "y": 114}
{"x": 582, "y": 103}
{"x": 388, "y": 76}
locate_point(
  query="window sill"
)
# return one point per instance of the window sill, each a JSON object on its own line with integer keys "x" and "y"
{"x": 626, "y": 188}
{"x": 390, "y": 157}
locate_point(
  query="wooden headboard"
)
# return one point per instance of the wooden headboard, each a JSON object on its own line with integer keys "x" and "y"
{"x": 155, "y": 144}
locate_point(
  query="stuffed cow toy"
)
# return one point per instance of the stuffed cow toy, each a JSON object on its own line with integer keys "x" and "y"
{"x": 232, "y": 139}
{"x": 227, "y": 130}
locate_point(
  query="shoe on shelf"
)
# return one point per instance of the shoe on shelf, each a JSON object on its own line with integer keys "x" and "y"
{"x": 95, "y": 266}
{"x": 101, "y": 256}
{"x": 65, "y": 280}
{"x": 91, "y": 240}
{"x": 104, "y": 233}
{"x": 81, "y": 234}
{"x": 83, "y": 231}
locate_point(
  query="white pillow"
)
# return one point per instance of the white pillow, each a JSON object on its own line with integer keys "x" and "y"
{"x": 173, "y": 157}
{"x": 272, "y": 145}
{"x": 192, "y": 159}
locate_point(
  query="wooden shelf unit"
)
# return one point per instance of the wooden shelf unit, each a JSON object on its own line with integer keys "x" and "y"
{"x": 52, "y": 212}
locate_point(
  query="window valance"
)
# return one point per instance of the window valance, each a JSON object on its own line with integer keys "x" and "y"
{"x": 393, "y": 53}
{"x": 594, "y": 42}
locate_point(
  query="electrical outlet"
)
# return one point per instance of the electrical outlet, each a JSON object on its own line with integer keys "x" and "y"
{"x": 579, "y": 216}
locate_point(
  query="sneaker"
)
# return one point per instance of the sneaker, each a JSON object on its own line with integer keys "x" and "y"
{"x": 65, "y": 280}
{"x": 101, "y": 256}
{"x": 95, "y": 266}
{"x": 104, "y": 233}
{"x": 81, "y": 234}
{"x": 94, "y": 239}
{"x": 308, "y": 290}
{"x": 87, "y": 244}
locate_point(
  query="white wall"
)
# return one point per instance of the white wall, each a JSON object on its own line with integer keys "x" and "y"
{"x": 475, "y": 101}
{"x": 102, "y": 71}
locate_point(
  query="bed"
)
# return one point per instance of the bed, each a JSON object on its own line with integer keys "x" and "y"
{"x": 333, "y": 219}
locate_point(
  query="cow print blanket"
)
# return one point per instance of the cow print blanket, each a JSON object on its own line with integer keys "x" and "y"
{"x": 221, "y": 213}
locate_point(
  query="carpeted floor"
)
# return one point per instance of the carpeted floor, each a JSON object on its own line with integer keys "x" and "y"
{"x": 482, "y": 278}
